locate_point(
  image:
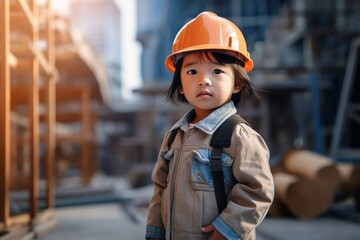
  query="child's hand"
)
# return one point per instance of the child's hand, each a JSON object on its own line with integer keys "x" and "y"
{"x": 216, "y": 235}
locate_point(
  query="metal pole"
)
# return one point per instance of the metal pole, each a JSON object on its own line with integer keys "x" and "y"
{"x": 344, "y": 100}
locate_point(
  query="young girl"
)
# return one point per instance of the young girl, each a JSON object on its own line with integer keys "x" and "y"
{"x": 210, "y": 64}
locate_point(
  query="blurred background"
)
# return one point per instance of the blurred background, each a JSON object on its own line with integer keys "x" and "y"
{"x": 83, "y": 112}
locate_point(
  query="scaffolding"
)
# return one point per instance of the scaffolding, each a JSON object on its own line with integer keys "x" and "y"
{"x": 51, "y": 80}
{"x": 20, "y": 21}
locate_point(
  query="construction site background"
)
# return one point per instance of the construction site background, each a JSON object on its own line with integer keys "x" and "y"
{"x": 79, "y": 137}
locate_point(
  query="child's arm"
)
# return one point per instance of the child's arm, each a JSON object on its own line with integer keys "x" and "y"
{"x": 155, "y": 228}
{"x": 252, "y": 195}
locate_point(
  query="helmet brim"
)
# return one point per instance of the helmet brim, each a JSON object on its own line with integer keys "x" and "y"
{"x": 170, "y": 64}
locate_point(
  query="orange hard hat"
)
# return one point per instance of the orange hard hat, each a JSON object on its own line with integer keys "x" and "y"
{"x": 209, "y": 32}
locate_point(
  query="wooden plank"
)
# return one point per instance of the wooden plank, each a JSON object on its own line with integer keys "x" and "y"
{"x": 34, "y": 123}
{"x": 49, "y": 70}
{"x": 25, "y": 51}
{"x": 51, "y": 112}
{"x": 4, "y": 113}
{"x": 64, "y": 94}
{"x": 85, "y": 145}
{"x": 26, "y": 9}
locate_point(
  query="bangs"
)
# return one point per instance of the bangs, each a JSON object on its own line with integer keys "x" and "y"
{"x": 218, "y": 57}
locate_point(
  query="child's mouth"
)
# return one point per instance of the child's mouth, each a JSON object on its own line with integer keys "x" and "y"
{"x": 204, "y": 93}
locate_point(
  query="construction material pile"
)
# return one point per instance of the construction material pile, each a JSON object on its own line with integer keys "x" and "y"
{"x": 306, "y": 184}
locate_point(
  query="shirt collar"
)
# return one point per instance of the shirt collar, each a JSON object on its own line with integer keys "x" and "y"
{"x": 211, "y": 122}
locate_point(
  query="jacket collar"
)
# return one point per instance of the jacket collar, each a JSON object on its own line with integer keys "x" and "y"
{"x": 211, "y": 122}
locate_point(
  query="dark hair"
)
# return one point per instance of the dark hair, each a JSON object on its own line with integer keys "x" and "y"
{"x": 242, "y": 79}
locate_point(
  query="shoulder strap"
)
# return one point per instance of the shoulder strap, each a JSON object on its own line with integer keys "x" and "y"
{"x": 222, "y": 136}
{"x": 220, "y": 139}
{"x": 171, "y": 138}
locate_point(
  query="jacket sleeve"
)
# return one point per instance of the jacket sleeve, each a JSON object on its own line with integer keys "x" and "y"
{"x": 155, "y": 227}
{"x": 252, "y": 195}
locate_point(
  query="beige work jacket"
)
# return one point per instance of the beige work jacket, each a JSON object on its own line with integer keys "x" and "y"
{"x": 184, "y": 198}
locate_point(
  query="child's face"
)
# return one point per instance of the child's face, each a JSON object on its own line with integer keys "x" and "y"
{"x": 206, "y": 84}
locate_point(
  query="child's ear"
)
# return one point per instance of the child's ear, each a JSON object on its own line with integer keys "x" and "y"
{"x": 237, "y": 89}
{"x": 181, "y": 91}
{"x": 238, "y": 86}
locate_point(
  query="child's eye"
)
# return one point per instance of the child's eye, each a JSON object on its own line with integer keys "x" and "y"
{"x": 191, "y": 72}
{"x": 217, "y": 71}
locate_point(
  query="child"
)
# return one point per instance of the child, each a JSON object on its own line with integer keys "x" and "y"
{"x": 210, "y": 64}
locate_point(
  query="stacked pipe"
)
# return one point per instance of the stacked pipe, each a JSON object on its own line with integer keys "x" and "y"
{"x": 350, "y": 181}
{"x": 306, "y": 183}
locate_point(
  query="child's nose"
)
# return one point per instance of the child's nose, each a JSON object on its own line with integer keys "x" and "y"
{"x": 204, "y": 82}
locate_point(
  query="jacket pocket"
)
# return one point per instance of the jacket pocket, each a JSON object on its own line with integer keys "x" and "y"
{"x": 201, "y": 175}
